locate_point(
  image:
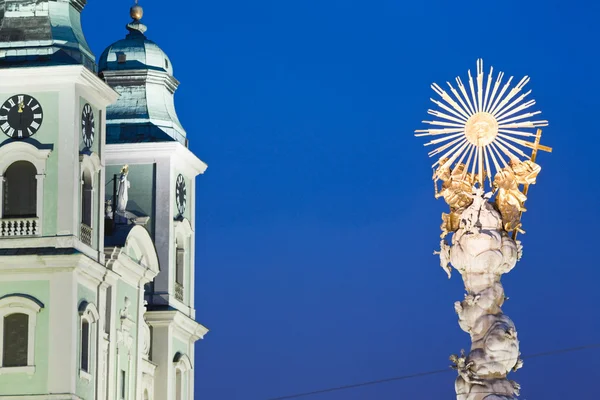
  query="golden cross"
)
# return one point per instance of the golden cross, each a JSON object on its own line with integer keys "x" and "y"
{"x": 535, "y": 146}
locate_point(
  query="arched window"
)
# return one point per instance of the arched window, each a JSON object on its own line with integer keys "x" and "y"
{"x": 89, "y": 315}
{"x": 18, "y": 317}
{"x": 181, "y": 274}
{"x": 20, "y": 190}
{"x": 183, "y": 364}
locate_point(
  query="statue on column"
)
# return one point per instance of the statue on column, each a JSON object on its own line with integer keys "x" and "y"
{"x": 481, "y": 143}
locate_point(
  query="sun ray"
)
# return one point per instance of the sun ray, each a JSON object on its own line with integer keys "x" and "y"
{"x": 471, "y": 86}
{"x": 445, "y": 107}
{"x": 465, "y": 95}
{"x": 444, "y": 147}
{"x": 480, "y": 157}
{"x": 466, "y": 108}
{"x": 504, "y": 150}
{"x": 448, "y": 153}
{"x": 468, "y": 161}
{"x": 440, "y": 114}
{"x": 464, "y": 153}
{"x": 475, "y": 161}
{"x": 517, "y": 133}
{"x": 487, "y": 165}
{"x": 441, "y": 140}
{"x": 512, "y": 147}
{"x": 496, "y": 85}
{"x": 502, "y": 91}
{"x": 499, "y": 154}
{"x": 525, "y": 124}
{"x": 442, "y": 123}
{"x": 435, "y": 132}
{"x": 495, "y": 162}
{"x": 446, "y": 97}
{"x": 487, "y": 89}
{"x": 480, "y": 85}
{"x": 513, "y": 92}
{"x": 500, "y": 112}
{"x": 518, "y": 117}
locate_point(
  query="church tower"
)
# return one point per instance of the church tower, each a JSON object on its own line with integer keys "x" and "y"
{"x": 144, "y": 133}
{"x": 97, "y": 192}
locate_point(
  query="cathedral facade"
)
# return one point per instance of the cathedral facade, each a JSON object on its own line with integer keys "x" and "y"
{"x": 97, "y": 214}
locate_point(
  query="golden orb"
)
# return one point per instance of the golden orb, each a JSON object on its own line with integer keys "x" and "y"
{"x": 136, "y": 12}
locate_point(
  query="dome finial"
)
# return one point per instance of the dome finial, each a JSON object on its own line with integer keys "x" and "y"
{"x": 136, "y": 11}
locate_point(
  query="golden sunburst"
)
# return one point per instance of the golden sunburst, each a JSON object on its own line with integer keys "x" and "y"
{"x": 485, "y": 125}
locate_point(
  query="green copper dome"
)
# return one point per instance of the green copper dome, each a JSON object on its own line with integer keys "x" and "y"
{"x": 142, "y": 74}
{"x": 43, "y": 32}
{"x": 136, "y": 51}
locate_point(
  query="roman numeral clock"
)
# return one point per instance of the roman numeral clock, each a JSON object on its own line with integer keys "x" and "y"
{"x": 87, "y": 126}
{"x": 21, "y": 116}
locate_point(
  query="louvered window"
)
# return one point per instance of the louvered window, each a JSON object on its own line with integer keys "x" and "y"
{"x": 16, "y": 333}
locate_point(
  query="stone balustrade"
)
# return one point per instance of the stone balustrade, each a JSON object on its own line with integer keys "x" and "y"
{"x": 19, "y": 227}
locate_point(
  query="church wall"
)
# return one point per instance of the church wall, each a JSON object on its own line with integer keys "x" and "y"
{"x": 21, "y": 383}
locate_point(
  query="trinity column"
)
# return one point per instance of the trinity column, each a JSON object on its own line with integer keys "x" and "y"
{"x": 486, "y": 141}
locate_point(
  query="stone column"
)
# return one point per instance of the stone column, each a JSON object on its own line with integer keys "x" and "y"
{"x": 482, "y": 251}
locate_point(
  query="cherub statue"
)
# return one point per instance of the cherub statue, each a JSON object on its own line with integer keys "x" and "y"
{"x": 444, "y": 254}
{"x": 463, "y": 367}
{"x": 456, "y": 190}
{"x": 525, "y": 172}
{"x": 509, "y": 199}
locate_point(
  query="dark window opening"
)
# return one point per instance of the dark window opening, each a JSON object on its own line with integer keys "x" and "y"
{"x": 20, "y": 190}
{"x": 123, "y": 376}
{"x": 86, "y": 199}
{"x": 85, "y": 346}
{"x": 15, "y": 341}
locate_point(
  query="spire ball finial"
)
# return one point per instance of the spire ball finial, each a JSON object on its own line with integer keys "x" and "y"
{"x": 136, "y": 11}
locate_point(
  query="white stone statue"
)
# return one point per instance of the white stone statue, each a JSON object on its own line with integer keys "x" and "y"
{"x": 482, "y": 251}
{"x": 122, "y": 193}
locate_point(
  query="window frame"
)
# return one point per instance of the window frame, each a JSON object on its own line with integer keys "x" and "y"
{"x": 23, "y": 151}
{"x": 89, "y": 164}
{"x": 87, "y": 313}
{"x": 20, "y": 304}
{"x": 182, "y": 364}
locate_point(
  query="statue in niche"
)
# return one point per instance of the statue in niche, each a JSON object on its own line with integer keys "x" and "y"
{"x": 122, "y": 193}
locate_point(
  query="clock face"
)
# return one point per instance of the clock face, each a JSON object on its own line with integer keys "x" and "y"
{"x": 87, "y": 125}
{"x": 180, "y": 194}
{"x": 21, "y": 116}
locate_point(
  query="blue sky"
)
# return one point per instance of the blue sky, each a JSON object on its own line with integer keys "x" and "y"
{"x": 316, "y": 218}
